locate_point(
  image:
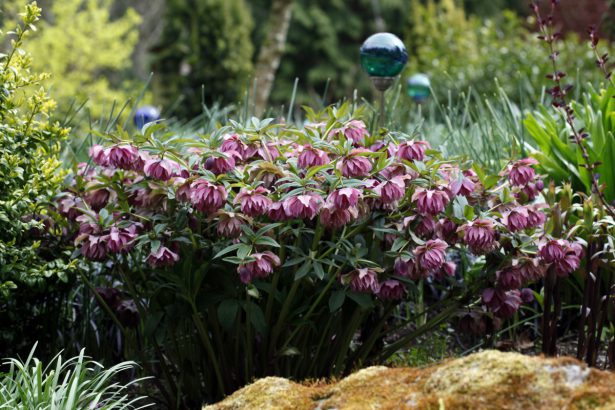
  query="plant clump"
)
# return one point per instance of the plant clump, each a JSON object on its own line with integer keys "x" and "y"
{"x": 325, "y": 225}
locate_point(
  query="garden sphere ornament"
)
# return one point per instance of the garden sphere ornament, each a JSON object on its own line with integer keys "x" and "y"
{"x": 383, "y": 57}
{"x": 419, "y": 88}
{"x": 145, "y": 115}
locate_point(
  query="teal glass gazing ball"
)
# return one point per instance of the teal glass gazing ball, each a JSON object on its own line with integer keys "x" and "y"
{"x": 383, "y": 55}
{"x": 419, "y": 87}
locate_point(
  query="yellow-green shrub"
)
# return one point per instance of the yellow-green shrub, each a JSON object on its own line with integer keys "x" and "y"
{"x": 87, "y": 53}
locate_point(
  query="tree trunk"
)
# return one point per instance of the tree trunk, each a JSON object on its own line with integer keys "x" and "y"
{"x": 271, "y": 52}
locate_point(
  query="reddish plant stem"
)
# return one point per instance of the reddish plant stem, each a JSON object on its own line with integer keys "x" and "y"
{"x": 602, "y": 317}
{"x": 557, "y": 302}
{"x": 549, "y": 334}
{"x": 559, "y": 94}
{"x": 590, "y": 357}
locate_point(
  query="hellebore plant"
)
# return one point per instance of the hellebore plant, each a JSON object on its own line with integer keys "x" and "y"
{"x": 265, "y": 249}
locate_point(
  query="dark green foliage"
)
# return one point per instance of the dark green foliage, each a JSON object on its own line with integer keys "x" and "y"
{"x": 323, "y": 44}
{"x": 204, "y": 43}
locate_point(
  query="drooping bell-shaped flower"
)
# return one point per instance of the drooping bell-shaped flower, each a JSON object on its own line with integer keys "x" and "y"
{"x": 162, "y": 257}
{"x": 479, "y": 235}
{"x": 431, "y": 256}
{"x": 363, "y": 280}
{"x": 207, "y": 197}
{"x": 304, "y": 206}
{"x": 521, "y": 172}
{"x": 430, "y": 201}
{"x": 412, "y": 150}
{"x": 311, "y": 157}
{"x": 254, "y": 202}
{"x": 354, "y": 165}
{"x": 344, "y": 198}
{"x": 263, "y": 265}
{"x": 391, "y": 289}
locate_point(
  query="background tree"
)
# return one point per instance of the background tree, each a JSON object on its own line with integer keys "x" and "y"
{"x": 323, "y": 46}
{"x": 205, "y": 43}
{"x": 271, "y": 51}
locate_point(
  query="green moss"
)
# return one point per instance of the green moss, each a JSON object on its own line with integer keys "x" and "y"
{"x": 269, "y": 393}
{"x": 486, "y": 380}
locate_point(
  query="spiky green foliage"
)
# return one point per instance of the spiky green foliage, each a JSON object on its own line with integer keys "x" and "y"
{"x": 75, "y": 383}
{"x": 561, "y": 158}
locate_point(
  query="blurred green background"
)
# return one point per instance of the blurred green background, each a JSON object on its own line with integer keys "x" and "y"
{"x": 209, "y": 51}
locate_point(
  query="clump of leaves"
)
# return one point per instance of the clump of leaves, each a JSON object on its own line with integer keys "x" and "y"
{"x": 76, "y": 383}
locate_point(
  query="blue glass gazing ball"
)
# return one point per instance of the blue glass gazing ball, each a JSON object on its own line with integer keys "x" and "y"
{"x": 383, "y": 55}
{"x": 419, "y": 87}
{"x": 146, "y": 114}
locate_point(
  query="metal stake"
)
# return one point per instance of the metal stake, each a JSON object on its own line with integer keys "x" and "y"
{"x": 382, "y": 84}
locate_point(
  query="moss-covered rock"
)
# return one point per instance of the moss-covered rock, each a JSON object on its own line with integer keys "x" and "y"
{"x": 486, "y": 380}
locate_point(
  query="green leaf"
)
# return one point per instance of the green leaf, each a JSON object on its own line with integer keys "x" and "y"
{"x": 303, "y": 270}
{"x": 243, "y": 251}
{"x": 253, "y": 291}
{"x": 459, "y": 205}
{"x": 228, "y": 249}
{"x": 294, "y": 261}
{"x": 490, "y": 181}
{"x": 607, "y": 168}
{"x": 314, "y": 170}
{"x": 151, "y": 323}
{"x": 267, "y": 228}
{"x": 155, "y": 245}
{"x": 336, "y": 300}
{"x": 318, "y": 270}
{"x": 257, "y": 318}
{"x": 267, "y": 240}
{"x": 399, "y": 244}
{"x": 468, "y": 212}
{"x": 364, "y": 300}
{"x": 227, "y": 313}
{"x": 234, "y": 260}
